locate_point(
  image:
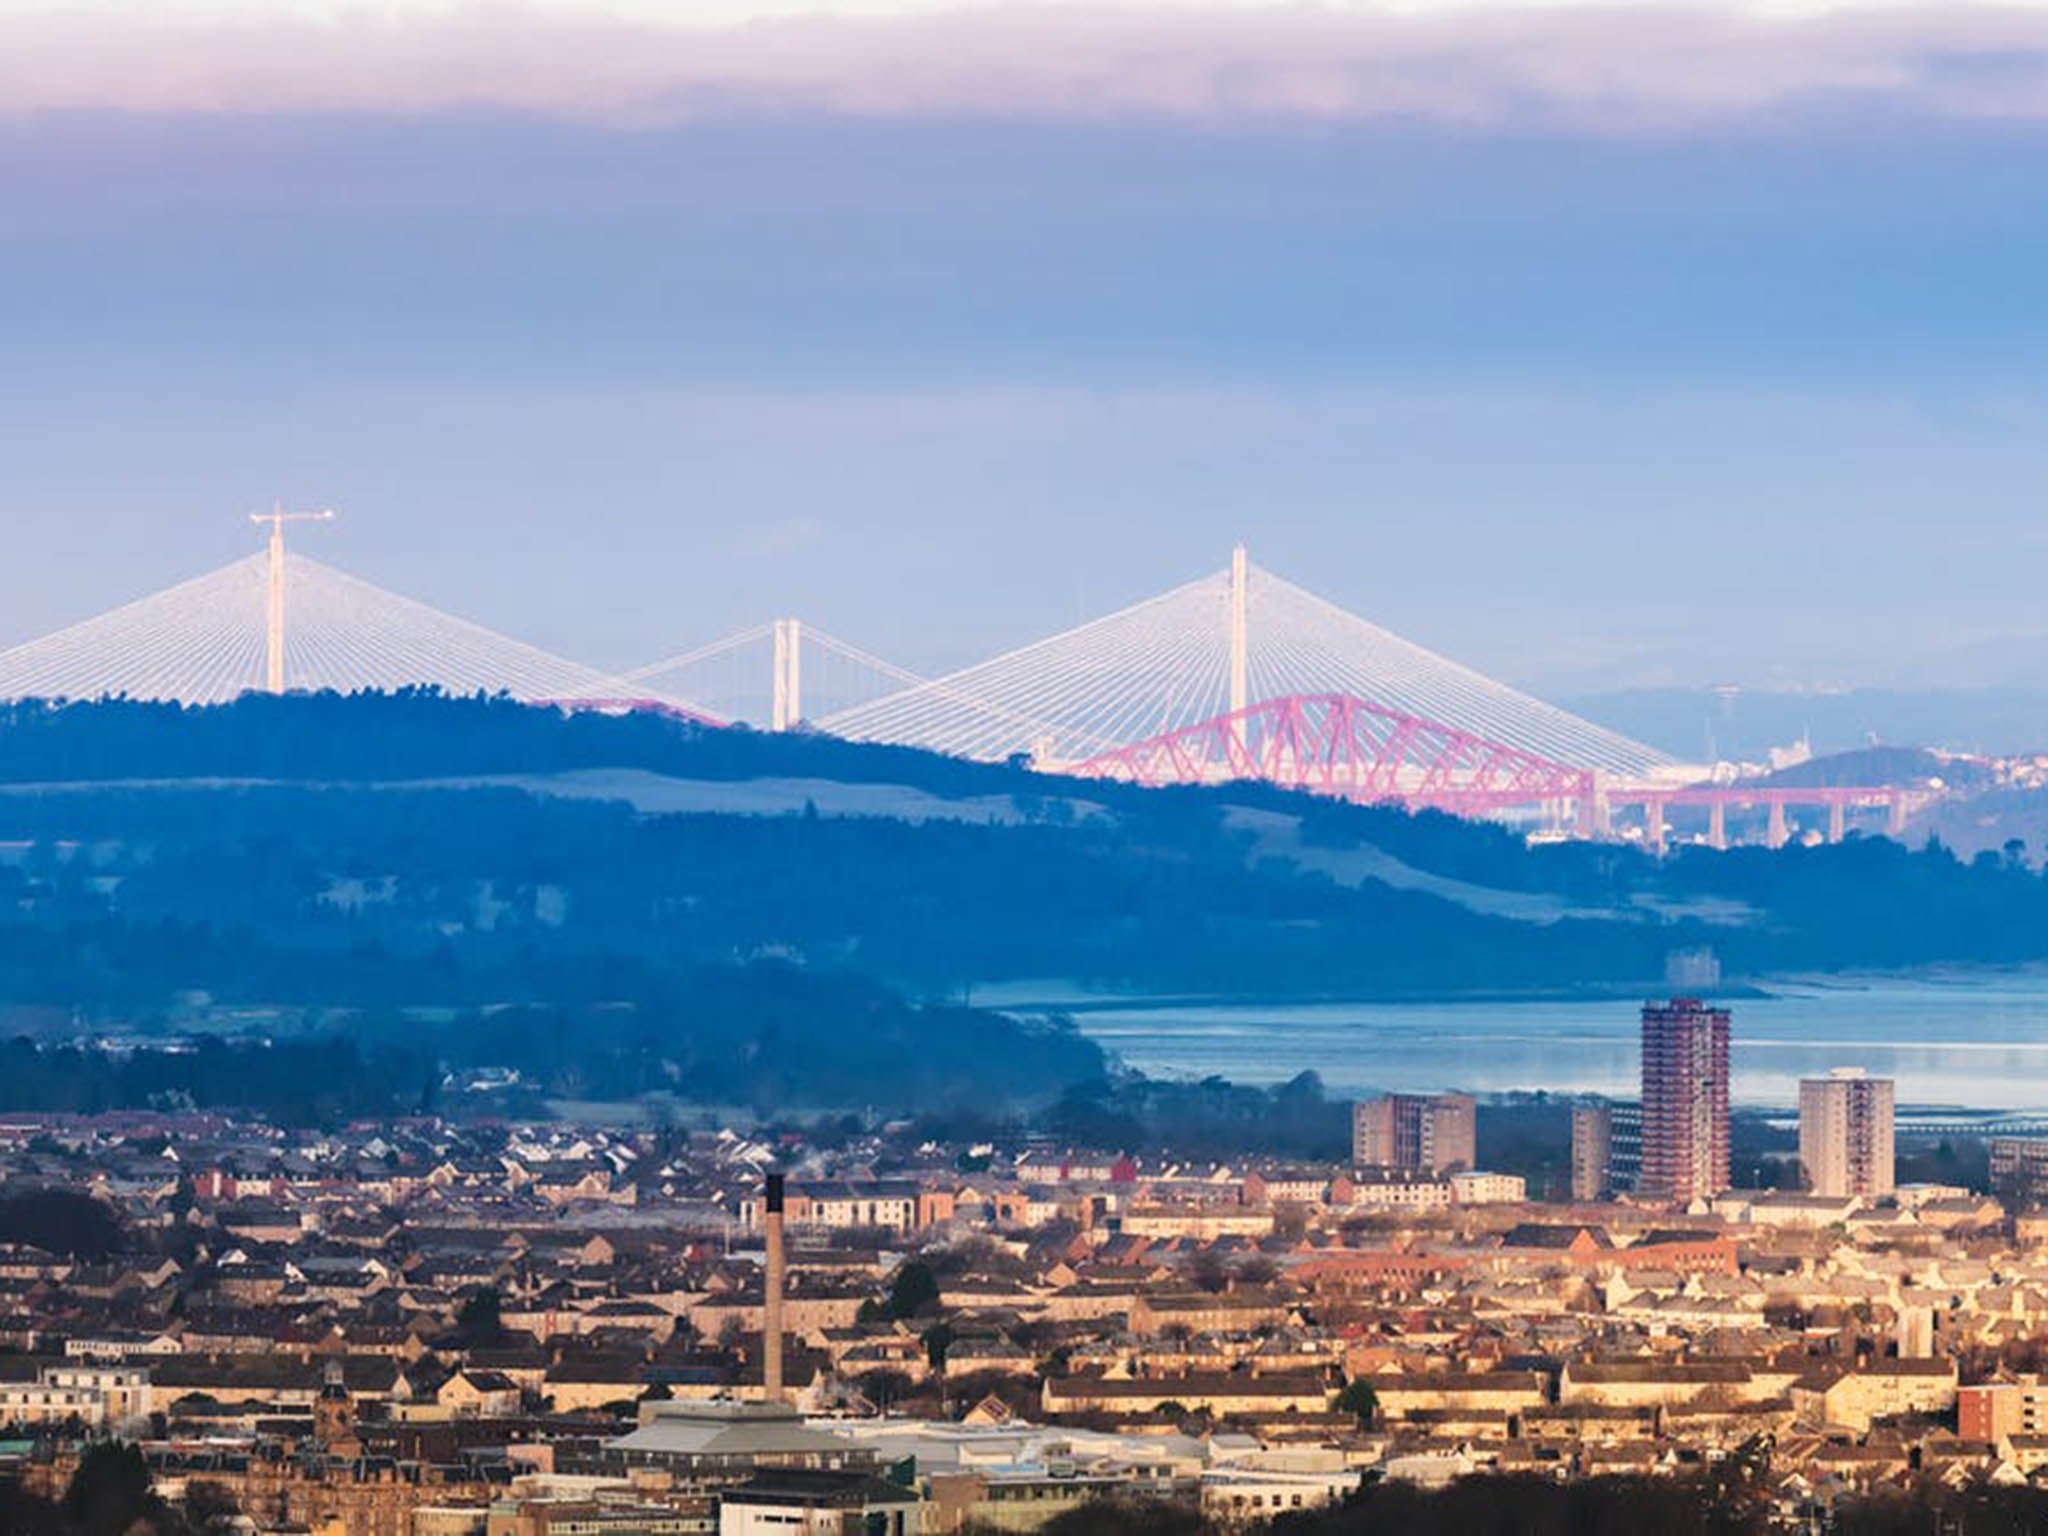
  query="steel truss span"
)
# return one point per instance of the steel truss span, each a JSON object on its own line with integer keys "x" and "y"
{"x": 1339, "y": 745}
{"x": 1203, "y": 651}
{"x": 1333, "y": 744}
{"x": 208, "y": 641}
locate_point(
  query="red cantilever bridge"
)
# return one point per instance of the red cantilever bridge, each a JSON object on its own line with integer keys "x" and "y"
{"x": 1336, "y": 744}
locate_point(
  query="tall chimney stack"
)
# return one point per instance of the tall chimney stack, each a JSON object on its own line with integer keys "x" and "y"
{"x": 771, "y": 1321}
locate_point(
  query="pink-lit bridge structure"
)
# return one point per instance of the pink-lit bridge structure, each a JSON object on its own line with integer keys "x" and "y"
{"x": 1244, "y": 676}
{"x": 1334, "y": 744}
{"x": 1237, "y": 676}
{"x": 1889, "y": 805}
{"x": 1338, "y": 744}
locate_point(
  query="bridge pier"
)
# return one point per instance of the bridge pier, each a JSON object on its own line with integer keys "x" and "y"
{"x": 1778, "y": 834}
{"x": 1838, "y": 818}
{"x": 1653, "y": 824}
{"x": 1895, "y": 813}
{"x": 1592, "y": 815}
{"x": 1717, "y": 823}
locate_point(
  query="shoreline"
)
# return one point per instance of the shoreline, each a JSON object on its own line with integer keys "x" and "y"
{"x": 1767, "y": 988}
{"x": 1966, "y": 1046}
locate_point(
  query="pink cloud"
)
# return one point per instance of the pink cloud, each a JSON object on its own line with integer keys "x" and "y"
{"x": 1606, "y": 67}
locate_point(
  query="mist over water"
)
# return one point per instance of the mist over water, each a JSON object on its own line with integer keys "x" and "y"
{"x": 1971, "y": 1040}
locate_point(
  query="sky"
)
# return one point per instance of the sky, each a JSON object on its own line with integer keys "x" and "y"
{"x": 1599, "y": 346}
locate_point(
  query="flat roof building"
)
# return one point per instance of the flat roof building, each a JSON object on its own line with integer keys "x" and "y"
{"x": 1845, "y": 1133}
{"x": 1420, "y": 1133}
{"x": 1685, "y": 1100}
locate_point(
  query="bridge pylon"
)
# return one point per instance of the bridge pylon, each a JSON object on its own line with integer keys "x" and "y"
{"x": 273, "y": 626}
{"x": 787, "y": 705}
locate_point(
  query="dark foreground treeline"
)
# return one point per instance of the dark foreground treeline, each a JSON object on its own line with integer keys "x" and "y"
{"x": 1724, "y": 1504}
{"x": 1209, "y": 1118}
{"x": 781, "y": 1042}
{"x": 767, "y": 1036}
{"x": 110, "y": 1495}
{"x": 783, "y": 1045}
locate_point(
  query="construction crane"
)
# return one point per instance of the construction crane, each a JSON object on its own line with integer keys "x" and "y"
{"x": 277, "y": 517}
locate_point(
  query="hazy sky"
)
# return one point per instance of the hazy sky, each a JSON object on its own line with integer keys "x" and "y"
{"x": 1594, "y": 345}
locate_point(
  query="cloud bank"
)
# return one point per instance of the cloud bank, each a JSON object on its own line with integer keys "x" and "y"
{"x": 1607, "y": 67}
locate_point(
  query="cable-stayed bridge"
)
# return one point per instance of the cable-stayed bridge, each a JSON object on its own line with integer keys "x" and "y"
{"x": 780, "y": 675}
{"x": 1207, "y": 651}
{"x": 211, "y": 639}
{"x": 1238, "y": 675}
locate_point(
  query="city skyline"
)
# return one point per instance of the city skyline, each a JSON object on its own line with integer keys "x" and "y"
{"x": 1062, "y": 766}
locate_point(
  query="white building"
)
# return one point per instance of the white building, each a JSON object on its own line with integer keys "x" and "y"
{"x": 1845, "y": 1133}
{"x": 1253, "y": 1496}
{"x": 99, "y": 1396}
{"x": 819, "y": 1503}
{"x": 1480, "y": 1188}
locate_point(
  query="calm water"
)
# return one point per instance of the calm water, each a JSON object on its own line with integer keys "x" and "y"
{"x": 1972, "y": 1040}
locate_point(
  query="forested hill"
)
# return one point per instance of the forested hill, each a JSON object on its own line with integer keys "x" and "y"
{"x": 423, "y": 734}
{"x": 411, "y": 851}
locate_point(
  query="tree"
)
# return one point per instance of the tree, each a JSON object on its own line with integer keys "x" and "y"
{"x": 884, "y": 1388}
{"x": 937, "y": 1340}
{"x": 1210, "y": 1271}
{"x": 481, "y": 1319}
{"x": 24, "y": 1514}
{"x": 1932, "y": 1505}
{"x": 60, "y": 1221}
{"x": 914, "y": 1291}
{"x": 1525, "y": 1505}
{"x": 109, "y": 1492}
{"x": 1359, "y": 1400}
{"x": 1256, "y": 1269}
{"x": 207, "y": 1503}
{"x": 1739, "y": 1485}
{"x": 1128, "y": 1517}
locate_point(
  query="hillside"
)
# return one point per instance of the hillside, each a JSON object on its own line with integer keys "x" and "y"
{"x": 1703, "y": 724}
{"x": 414, "y": 851}
{"x": 1884, "y": 765}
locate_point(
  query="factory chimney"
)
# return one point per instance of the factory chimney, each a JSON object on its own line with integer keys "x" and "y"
{"x": 771, "y": 1318}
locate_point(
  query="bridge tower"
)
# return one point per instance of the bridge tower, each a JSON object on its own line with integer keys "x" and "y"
{"x": 788, "y": 707}
{"x": 273, "y": 636}
{"x": 1240, "y": 573}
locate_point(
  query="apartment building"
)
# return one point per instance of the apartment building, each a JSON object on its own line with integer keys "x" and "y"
{"x": 1421, "y": 1133}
